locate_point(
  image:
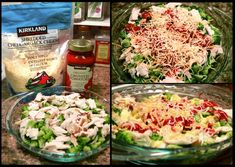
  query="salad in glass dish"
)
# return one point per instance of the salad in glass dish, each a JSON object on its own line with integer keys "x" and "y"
{"x": 64, "y": 123}
{"x": 170, "y": 43}
{"x": 168, "y": 120}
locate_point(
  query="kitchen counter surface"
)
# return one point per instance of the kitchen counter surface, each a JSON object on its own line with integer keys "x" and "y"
{"x": 13, "y": 153}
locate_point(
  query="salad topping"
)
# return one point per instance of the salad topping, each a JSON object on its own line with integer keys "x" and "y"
{"x": 165, "y": 119}
{"x": 64, "y": 123}
{"x": 170, "y": 42}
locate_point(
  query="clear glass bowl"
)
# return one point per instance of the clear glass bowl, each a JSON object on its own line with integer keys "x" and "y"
{"x": 190, "y": 155}
{"x": 14, "y": 114}
{"x": 220, "y": 20}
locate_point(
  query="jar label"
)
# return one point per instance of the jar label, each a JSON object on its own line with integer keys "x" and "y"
{"x": 79, "y": 76}
{"x": 102, "y": 51}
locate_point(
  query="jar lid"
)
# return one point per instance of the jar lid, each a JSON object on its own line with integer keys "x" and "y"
{"x": 84, "y": 28}
{"x": 105, "y": 28}
{"x": 80, "y": 45}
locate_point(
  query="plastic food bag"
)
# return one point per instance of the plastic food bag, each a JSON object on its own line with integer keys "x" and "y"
{"x": 34, "y": 44}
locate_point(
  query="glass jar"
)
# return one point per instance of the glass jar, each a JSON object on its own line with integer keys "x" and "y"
{"x": 80, "y": 63}
{"x": 96, "y": 10}
{"x": 79, "y": 11}
{"x": 102, "y": 46}
{"x": 84, "y": 32}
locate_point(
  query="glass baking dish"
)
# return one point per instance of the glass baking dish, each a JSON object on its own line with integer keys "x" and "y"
{"x": 189, "y": 155}
{"x": 220, "y": 20}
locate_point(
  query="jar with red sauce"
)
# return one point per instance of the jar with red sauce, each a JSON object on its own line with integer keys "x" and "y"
{"x": 80, "y": 63}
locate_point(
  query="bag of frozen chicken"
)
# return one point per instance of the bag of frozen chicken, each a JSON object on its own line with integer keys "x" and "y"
{"x": 34, "y": 44}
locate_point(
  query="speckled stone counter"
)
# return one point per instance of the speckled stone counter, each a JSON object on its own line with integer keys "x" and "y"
{"x": 13, "y": 153}
{"x": 226, "y": 74}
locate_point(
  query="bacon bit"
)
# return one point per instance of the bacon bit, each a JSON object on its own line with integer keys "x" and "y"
{"x": 131, "y": 106}
{"x": 169, "y": 12}
{"x": 169, "y": 26}
{"x": 221, "y": 115}
{"x": 164, "y": 100}
{"x": 131, "y": 27}
{"x": 209, "y": 125}
{"x": 144, "y": 29}
{"x": 139, "y": 128}
{"x": 136, "y": 127}
{"x": 173, "y": 128}
{"x": 146, "y": 15}
{"x": 210, "y": 131}
{"x": 208, "y": 103}
{"x": 170, "y": 121}
{"x": 181, "y": 29}
{"x": 171, "y": 106}
{"x": 148, "y": 116}
{"x": 180, "y": 104}
{"x": 153, "y": 129}
{"x": 126, "y": 125}
{"x": 155, "y": 121}
{"x": 197, "y": 127}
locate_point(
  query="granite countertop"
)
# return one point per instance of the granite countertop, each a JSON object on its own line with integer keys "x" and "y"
{"x": 13, "y": 153}
{"x": 225, "y": 76}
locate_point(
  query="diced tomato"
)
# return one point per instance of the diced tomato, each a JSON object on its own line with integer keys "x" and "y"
{"x": 179, "y": 118}
{"x": 193, "y": 112}
{"x": 198, "y": 108}
{"x": 146, "y": 15}
{"x": 188, "y": 123}
{"x": 221, "y": 115}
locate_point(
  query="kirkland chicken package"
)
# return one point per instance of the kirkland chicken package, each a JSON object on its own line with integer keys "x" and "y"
{"x": 34, "y": 44}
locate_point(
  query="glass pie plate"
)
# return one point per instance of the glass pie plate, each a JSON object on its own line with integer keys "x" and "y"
{"x": 190, "y": 155}
{"x": 220, "y": 20}
{"x": 14, "y": 113}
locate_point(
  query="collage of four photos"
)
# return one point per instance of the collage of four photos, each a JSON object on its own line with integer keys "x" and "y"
{"x": 117, "y": 83}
